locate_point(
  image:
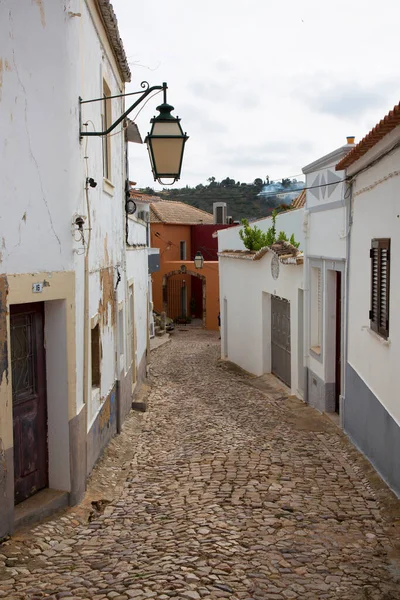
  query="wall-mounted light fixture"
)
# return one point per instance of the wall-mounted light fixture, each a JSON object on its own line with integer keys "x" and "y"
{"x": 166, "y": 140}
{"x": 198, "y": 260}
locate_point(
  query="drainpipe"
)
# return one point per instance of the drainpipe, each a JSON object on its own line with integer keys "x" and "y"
{"x": 306, "y": 308}
{"x": 86, "y": 316}
{"x": 349, "y": 208}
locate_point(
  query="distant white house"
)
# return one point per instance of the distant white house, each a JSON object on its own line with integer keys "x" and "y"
{"x": 371, "y": 403}
{"x": 74, "y": 304}
{"x": 326, "y": 226}
{"x": 261, "y": 298}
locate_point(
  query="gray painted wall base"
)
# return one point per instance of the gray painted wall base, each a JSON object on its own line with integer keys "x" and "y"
{"x": 6, "y": 492}
{"x": 78, "y": 450}
{"x": 372, "y": 429}
{"x": 320, "y": 395}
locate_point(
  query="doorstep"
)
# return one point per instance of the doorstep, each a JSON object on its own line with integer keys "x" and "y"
{"x": 39, "y": 506}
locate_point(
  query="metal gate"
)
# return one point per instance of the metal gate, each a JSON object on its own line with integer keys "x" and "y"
{"x": 280, "y": 339}
{"x": 176, "y": 298}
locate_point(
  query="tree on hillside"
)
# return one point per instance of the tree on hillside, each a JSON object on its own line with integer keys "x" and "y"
{"x": 228, "y": 182}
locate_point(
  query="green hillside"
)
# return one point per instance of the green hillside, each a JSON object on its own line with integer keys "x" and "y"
{"x": 242, "y": 199}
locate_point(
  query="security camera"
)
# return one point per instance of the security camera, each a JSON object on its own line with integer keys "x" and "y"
{"x": 91, "y": 182}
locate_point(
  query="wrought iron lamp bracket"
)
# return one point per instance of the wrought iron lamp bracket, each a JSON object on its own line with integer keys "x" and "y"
{"x": 143, "y": 94}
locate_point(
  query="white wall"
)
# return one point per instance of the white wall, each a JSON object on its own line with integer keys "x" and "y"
{"x": 137, "y": 269}
{"x": 244, "y": 284}
{"x": 327, "y": 233}
{"x": 289, "y": 222}
{"x": 375, "y": 215}
{"x": 41, "y": 168}
{"x": 57, "y": 394}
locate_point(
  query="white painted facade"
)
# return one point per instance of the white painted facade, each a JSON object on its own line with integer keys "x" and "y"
{"x": 65, "y": 54}
{"x": 325, "y": 249}
{"x": 246, "y": 287}
{"x": 375, "y": 214}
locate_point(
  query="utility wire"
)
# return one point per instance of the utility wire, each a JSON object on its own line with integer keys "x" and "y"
{"x": 311, "y": 187}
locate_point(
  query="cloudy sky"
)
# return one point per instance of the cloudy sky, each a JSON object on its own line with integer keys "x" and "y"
{"x": 263, "y": 87}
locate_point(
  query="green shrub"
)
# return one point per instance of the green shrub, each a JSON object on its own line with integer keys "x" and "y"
{"x": 254, "y": 239}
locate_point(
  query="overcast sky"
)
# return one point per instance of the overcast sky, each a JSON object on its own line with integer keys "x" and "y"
{"x": 263, "y": 87}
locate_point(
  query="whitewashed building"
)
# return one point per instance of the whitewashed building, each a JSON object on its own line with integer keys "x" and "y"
{"x": 261, "y": 300}
{"x": 326, "y": 223}
{"x": 371, "y": 404}
{"x": 73, "y": 300}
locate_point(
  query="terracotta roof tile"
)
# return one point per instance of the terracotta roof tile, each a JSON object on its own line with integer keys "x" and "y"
{"x": 287, "y": 253}
{"x": 172, "y": 212}
{"x": 300, "y": 200}
{"x": 139, "y": 197}
{"x": 385, "y": 126}
{"x": 111, "y": 27}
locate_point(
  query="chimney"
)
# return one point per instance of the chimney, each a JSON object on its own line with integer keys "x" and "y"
{"x": 350, "y": 139}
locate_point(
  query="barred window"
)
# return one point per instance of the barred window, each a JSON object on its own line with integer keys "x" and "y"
{"x": 380, "y": 280}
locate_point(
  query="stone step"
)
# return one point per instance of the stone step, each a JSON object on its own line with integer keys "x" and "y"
{"x": 40, "y": 506}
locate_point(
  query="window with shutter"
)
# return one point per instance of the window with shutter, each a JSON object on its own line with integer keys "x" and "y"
{"x": 380, "y": 284}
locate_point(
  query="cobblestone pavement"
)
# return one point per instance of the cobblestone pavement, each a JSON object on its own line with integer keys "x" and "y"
{"x": 229, "y": 490}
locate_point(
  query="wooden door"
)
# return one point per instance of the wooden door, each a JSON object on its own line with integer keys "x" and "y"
{"x": 338, "y": 361}
{"x": 29, "y": 399}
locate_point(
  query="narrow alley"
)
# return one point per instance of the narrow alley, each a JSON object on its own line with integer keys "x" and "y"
{"x": 233, "y": 491}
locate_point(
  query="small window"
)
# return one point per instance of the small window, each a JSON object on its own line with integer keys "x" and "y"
{"x": 95, "y": 347}
{"x": 183, "y": 250}
{"x": 316, "y": 310}
{"x": 106, "y": 121}
{"x": 380, "y": 280}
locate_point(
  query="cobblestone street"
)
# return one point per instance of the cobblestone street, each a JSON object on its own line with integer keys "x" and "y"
{"x": 231, "y": 490}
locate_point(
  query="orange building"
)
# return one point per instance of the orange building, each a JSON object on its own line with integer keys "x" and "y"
{"x": 179, "y": 289}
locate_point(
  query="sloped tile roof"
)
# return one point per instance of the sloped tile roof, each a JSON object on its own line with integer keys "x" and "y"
{"x": 111, "y": 27}
{"x": 385, "y": 126}
{"x": 139, "y": 197}
{"x": 300, "y": 200}
{"x": 178, "y": 213}
{"x": 287, "y": 253}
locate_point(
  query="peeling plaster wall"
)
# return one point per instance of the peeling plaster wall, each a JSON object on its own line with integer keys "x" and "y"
{"x": 40, "y": 161}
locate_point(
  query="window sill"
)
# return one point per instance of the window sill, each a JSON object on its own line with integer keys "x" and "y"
{"x": 108, "y": 187}
{"x": 383, "y": 341}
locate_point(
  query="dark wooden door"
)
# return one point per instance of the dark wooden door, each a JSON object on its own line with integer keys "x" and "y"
{"x": 29, "y": 399}
{"x": 338, "y": 361}
{"x": 280, "y": 339}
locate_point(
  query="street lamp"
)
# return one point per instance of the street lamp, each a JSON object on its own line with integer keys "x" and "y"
{"x": 166, "y": 140}
{"x": 199, "y": 260}
{"x": 166, "y": 143}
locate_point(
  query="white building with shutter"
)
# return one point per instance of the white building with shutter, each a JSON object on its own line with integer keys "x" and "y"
{"x": 326, "y": 245}
{"x": 371, "y": 404}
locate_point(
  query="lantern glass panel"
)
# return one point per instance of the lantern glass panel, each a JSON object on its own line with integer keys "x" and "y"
{"x": 167, "y": 155}
{"x": 166, "y": 128}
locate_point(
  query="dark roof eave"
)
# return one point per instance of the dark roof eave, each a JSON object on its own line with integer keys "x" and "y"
{"x": 111, "y": 26}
